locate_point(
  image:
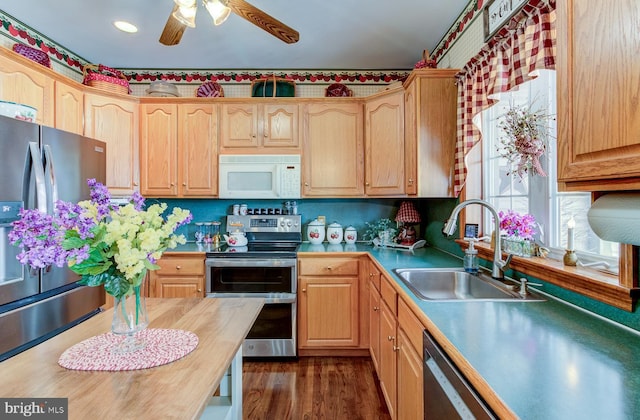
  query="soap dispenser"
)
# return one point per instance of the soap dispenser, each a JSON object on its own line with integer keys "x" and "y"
{"x": 471, "y": 258}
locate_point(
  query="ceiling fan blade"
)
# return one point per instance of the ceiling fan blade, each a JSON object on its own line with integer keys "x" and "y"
{"x": 264, "y": 21}
{"x": 173, "y": 30}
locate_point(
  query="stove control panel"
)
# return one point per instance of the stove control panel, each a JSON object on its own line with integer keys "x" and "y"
{"x": 265, "y": 223}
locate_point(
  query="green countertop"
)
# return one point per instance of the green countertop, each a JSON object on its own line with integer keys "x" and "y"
{"x": 545, "y": 360}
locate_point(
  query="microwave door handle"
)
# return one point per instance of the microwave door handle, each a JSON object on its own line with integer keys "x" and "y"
{"x": 278, "y": 181}
{"x": 33, "y": 167}
{"x": 49, "y": 170}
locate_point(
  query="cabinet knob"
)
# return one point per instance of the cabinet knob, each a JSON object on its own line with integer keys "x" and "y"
{"x": 178, "y": 267}
{"x": 329, "y": 268}
{"x": 396, "y": 348}
{"x": 375, "y": 308}
{"x": 366, "y": 183}
{"x": 184, "y": 184}
{"x": 173, "y": 184}
{"x": 410, "y": 181}
{"x": 199, "y": 290}
{"x": 306, "y": 184}
{"x": 304, "y": 290}
{"x": 370, "y": 274}
{"x": 389, "y": 338}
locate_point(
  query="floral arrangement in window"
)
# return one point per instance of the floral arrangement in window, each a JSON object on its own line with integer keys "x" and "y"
{"x": 105, "y": 244}
{"x": 525, "y": 139}
{"x": 517, "y": 225}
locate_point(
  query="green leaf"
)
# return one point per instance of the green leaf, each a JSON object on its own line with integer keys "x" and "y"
{"x": 72, "y": 243}
{"x": 150, "y": 266}
{"x": 118, "y": 286}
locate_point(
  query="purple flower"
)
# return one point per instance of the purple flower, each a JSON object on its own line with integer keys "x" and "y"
{"x": 138, "y": 200}
{"x": 515, "y": 224}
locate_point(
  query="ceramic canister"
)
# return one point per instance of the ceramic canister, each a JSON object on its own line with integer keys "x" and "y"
{"x": 350, "y": 235}
{"x": 334, "y": 233}
{"x": 315, "y": 232}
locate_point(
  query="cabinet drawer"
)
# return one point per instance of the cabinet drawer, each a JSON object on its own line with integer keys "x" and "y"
{"x": 411, "y": 325}
{"x": 328, "y": 266}
{"x": 181, "y": 266}
{"x": 389, "y": 294}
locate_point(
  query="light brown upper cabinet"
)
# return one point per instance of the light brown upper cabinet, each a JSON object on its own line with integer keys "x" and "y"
{"x": 259, "y": 127}
{"x": 69, "y": 107}
{"x": 333, "y": 150}
{"x": 178, "y": 149}
{"x": 384, "y": 144}
{"x": 598, "y": 76}
{"x": 23, "y": 82}
{"x": 114, "y": 120}
{"x": 430, "y": 131}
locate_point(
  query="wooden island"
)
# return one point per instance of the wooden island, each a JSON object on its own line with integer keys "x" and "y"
{"x": 181, "y": 389}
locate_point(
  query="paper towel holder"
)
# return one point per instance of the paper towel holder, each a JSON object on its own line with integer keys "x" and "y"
{"x": 615, "y": 217}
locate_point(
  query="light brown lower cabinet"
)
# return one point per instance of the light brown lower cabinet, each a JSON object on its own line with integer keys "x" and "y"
{"x": 388, "y": 362}
{"x": 396, "y": 349}
{"x": 179, "y": 276}
{"x": 410, "y": 379}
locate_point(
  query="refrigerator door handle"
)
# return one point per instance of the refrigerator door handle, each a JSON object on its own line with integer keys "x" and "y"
{"x": 34, "y": 166}
{"x": 51, "y": 178}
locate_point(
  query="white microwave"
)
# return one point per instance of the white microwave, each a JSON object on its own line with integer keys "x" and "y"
{"x": 259, "y": 176}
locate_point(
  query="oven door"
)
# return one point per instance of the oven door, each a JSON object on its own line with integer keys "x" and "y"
{"x": 274, "y": 332}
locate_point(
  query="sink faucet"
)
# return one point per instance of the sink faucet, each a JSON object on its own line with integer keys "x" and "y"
{"x": 499, "y": 265}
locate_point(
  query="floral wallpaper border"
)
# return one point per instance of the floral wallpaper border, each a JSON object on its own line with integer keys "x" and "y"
{"x": 460, "y": 25}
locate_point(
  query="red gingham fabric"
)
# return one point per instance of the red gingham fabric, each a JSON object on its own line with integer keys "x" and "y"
{"x": 527, "y": 43}
{"x": 408, "y": 213}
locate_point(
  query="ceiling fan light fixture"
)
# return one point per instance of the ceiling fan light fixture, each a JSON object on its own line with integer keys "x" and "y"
{"x": 218, "y": 10}
{"x": 186, "y": 13}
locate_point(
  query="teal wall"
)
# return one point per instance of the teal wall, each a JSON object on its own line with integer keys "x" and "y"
{"x": 357, "y": 212}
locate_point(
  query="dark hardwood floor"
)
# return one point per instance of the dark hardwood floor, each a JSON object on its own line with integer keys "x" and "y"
{"x": 312, "y": 388}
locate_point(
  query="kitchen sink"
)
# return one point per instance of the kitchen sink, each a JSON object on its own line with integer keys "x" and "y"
{"x": 456, "y": 285}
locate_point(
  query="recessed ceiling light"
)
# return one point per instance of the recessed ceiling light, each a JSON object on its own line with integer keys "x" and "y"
{"x": 125, "y": 26}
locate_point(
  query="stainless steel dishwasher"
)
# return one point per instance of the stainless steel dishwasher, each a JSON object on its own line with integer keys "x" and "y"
{"x": 447, "y": 394}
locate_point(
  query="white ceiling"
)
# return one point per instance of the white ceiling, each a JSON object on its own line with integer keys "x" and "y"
{"x": 334, "y": 34}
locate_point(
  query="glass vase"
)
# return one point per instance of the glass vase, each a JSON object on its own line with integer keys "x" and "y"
{"x": 518, "y": 246}
{"x": 129, "y": 318}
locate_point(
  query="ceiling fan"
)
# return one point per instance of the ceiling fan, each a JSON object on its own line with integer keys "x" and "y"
{"x": 184, "y": 14}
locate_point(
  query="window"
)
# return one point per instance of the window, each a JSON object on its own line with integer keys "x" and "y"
{"x": 535, "y": 194}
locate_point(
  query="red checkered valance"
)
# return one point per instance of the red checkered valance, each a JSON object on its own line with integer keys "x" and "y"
{"x": 511, "y": 57}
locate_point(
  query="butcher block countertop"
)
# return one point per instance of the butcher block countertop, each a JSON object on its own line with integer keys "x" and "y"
{"x": 180, "y": 389}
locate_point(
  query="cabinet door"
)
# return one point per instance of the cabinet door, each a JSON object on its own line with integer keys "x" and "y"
{"x": 280, "y": 126}
{"x": 388, "y": 361}
{"x": 198, "y": 150}
{"x": 410, "y": 140}
{"x": 384, "y": 145}
{"x": 333, "y": 154}
{"x": 410, "y": 380}
{"x": 328, "y": 311}
{"x": 115, "y": 121}
{"x": 178, "y": 287}
{"x": 433, "y": 129}
{"x": 21, "y": 84}
{"x": 598, "y": 88}
{"x": 158, "y": 150}
{"x": 69, "y": 108}
{"x": 374, "y": 325}
{"x": 239, "y": 126}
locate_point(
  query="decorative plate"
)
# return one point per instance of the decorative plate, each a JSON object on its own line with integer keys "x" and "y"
{"x": 210, "y": 90}
{"x": 337, "y": 90}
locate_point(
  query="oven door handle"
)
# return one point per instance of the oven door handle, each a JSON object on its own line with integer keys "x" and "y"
{"x": 250, "y": 262}
{"x": 269, "y": 298}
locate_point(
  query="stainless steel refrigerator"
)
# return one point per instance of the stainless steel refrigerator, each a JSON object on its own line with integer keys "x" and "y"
{"x": 37, "y": 166}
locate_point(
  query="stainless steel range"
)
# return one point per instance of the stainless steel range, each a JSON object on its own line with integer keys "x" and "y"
{"x": 266, "y": 267}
